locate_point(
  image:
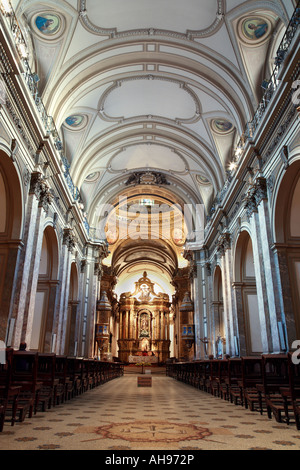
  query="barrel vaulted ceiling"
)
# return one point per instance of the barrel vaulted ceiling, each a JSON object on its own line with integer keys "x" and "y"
{"x": 164, "y": 85}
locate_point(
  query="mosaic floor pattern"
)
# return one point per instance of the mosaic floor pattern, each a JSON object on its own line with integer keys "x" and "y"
{"x": 168, "y": 416}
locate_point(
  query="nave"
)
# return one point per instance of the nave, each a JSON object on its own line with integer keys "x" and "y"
{"x": 169, "y": 416}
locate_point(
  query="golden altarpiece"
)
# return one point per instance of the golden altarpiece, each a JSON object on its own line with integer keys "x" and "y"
{"x": 144, "y": 324}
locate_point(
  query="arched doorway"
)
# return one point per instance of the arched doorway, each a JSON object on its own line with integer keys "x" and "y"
{"x": 45, "y": 302}
{"x": 287, "y": 248}
{"x": 247, "y": 304}
{"x": 11, "y": 221}
{"x": 72, "y": 326}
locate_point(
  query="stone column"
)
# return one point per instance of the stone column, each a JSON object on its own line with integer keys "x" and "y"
{"x": 272, "y": 293}
{"x": 95, "y": 256}
{"x": 239, "y": 307}
{"x": 230, "y": 313}
{"x": 200, "y": 305}
{"x": 24, "y": 304}
{"x": 285, "y": 293}
{"x": 268, "y": 299}
{"x": 63, "y": 296}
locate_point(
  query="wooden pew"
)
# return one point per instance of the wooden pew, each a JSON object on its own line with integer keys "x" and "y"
{"x": 291, "y": 394}
{"x": 9, "y": 394}
{"x": 2, "y": 416}
{"x": 89, "y": 373}
{"x": 195, "y": 374}
{"x": 24, "y": 374}
{"x": 235, "y": 373}
{"x": 74, "y": 372}
{"x": 252, "y": 376}
{"x": 46, "y": 375}
{"x": 205, "y": 376}
{"x": 214, "y": 377}
{"x": 63, "y": 380}
{"x": 224, "y": 379}
{"x": 275, "y": 377}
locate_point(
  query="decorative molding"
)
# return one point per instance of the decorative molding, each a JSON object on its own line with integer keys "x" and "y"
{"x": 69, "y": 239}
{"x": 224, "y": 243}
{"x": 148, "y": 178}
{"x": 41, "y": 190}
{"x": 114, "y": 33}
{"x": 182, "y": 85}
{"x": 256, "y": 194}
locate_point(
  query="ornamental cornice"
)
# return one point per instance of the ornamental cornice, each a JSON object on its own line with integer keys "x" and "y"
{"x": 189, "y": 35}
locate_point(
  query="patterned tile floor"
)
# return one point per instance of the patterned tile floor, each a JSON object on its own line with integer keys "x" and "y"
{"x": 168, "y": 416}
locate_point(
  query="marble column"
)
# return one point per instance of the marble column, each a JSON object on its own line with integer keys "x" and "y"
{"x": 200, "y": 290}
{"x": 285, "y": 293}
{"x": 239, "y": 307}
{"x": 272, "y": 292}
{"x": 231, "y": 321}
{"x": 63, "y": 299}
{"x": 24, "y": 279}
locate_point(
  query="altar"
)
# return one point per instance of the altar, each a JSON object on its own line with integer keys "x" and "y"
{"x": 144, "y": 325}
{"x": 145, "y": 359}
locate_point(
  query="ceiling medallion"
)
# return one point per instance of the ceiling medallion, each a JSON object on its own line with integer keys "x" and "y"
{"x": 148, "y": 178}
{"x": 254, "y": 29}
{"x": 75, "y": 121}
{"x": 92, "y": 177}
{"x": 48, "y": 24}
{"x": 222, "y": 126}
{"x": 202, "y": 180}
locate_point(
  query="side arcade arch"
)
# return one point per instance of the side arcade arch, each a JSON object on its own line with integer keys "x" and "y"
{"x": 11, "y": 226}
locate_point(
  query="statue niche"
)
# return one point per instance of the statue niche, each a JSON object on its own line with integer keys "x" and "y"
{"x": 144, "y": 328}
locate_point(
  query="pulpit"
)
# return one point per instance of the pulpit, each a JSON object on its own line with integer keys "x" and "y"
{"x": 144, "y": 324}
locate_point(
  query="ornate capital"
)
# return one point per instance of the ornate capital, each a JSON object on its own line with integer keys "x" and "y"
{"x": 224, "y": 243}
{"x": 45, "y": 196}
{"x": 103, "y": 252}
{"x": 41, "y": 190}
{"x": 69, "y": 239}
{"x": 35, "y": 184}
{"x": 261, "y": 190}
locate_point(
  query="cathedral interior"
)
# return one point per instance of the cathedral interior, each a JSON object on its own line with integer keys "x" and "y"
{"x": 150, "y": 179}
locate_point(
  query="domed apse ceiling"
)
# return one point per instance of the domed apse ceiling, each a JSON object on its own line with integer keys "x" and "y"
{"x": 163, "y": 86}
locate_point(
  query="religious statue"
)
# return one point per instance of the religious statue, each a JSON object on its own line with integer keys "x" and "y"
{"x": 145, "y": 293}
{"x": 144, "y": 325}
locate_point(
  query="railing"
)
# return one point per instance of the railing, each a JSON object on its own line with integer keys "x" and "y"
{"x": 31, "y": 81}
{"x": 270, "y": 86}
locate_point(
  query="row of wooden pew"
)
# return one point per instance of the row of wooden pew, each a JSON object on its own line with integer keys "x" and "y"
{"x": 265, "y": 384}
{"x": 32, "y": 382}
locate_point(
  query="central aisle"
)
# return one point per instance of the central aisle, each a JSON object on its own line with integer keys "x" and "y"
{"x": 168, "y": 416}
